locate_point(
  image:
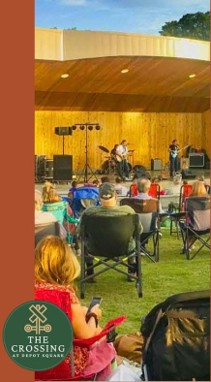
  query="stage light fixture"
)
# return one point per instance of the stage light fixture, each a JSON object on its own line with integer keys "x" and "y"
{"x": 74, "y": 127}
{"x": 82, "y": 127}
{"x": 97, "y": 127}
{"x": 90, "y": 127}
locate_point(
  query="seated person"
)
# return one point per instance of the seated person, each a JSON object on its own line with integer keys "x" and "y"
{"x": 121, "y": 190}
{"x": 198, "y": 190}
{"x": 41, "y": 216}
{"x": 74, "y": 186}
{"x": 175, "y": 188}
{"x": 158, "y": 180}
{"x": 108, "y": 207}
{"x": 52, "y": 202}
{"x": 56, "y": 268}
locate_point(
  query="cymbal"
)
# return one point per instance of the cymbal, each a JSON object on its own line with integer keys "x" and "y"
{"x": 103, "y": 149}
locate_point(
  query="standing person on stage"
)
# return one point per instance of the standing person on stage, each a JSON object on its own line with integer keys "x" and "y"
{"x": 121, "y": 157}
{"x": 173, "y": 157}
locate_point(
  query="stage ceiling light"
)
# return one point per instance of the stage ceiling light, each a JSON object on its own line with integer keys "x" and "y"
{"x": 90, "y": 127}
{"x": 74, "y": 127}
{"x": 82, "y": 127}
{"x": 97, "y": 127}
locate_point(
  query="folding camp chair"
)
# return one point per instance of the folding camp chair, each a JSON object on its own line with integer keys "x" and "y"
{"x": 196, "y": 225}
{"x": 84, "y": 197}
{"x": 65, "y": 371}
{"x": 177, "y": 339}
{"x": 154, "y": 190}
{"x": 148, "y": 211}
{"x": 185, "y": 191}
{"x": 111, "y": 241}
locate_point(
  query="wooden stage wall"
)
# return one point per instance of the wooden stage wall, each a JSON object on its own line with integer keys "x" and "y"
{"x": 149, "y": 134}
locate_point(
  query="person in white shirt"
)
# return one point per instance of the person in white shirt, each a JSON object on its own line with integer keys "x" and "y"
{"x": 121, "y": 157}
{"x": 121, "y": 190}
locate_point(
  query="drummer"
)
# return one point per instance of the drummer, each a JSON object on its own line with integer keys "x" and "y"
{"x": 113, "y": 152}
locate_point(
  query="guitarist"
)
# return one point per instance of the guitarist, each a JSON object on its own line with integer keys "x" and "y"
{"x": 173, "y": 157}
{"x": 121, "y": 158}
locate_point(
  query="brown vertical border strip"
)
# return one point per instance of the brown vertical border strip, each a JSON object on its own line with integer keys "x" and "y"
{"x": 17, "y": 167}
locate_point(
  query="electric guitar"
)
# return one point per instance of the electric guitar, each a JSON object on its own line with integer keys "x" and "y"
{"x": 174, "y": 153}
{"x": 120, "y": 158}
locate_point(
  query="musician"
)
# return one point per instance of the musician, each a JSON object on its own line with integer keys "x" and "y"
{"x": 173, "y": 157}
{"x": 121, "y": 157}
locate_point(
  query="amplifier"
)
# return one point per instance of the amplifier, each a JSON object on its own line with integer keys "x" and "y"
{"x": 196, "y": 160}
{"x": 156, "y": 164}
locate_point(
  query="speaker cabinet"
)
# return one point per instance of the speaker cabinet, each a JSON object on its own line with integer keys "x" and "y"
{"x": 188, "y": 174}
{"x": 62, "y": 167}
{"x": 196, "y": 160}
{"x": 156, "y": 164}
{"x": 63, "y": 131}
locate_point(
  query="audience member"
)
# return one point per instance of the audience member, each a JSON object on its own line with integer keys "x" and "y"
{"x": 175, "y": 188}
{"x": 56, "y": 268}
{"x": 143, "y": 185}
{"x": 198, "y": 189}
{"x": 41, "y": 216}
{"x": 121, "y": 190}
{"x": 108, "y": 207}
{"x": 104, "y": 179}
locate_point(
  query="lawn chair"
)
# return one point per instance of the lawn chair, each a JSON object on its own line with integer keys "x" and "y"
{"x": 84, "y": 197}
{"x": 177, "y": 339}
{"x": 196, "y": 225}
{"x": 148, "y": 212}
{"x": 106, "y": 239}
{"x": 154, "y": 190}
{"x": 66, "y": 370}
{"x": 185, "y": 191}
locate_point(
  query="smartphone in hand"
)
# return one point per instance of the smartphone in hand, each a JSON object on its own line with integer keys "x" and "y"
{"x": 95, "y": 300}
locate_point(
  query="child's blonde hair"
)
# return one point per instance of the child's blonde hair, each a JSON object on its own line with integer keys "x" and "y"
{"x": 55, "y": 262}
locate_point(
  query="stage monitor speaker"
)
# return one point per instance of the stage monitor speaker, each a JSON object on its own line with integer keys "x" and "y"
{"x": 196, "y": 160}
{"x": 187, "y": 174}
{"x": 63, "y": 131}
{"x": 156, "y": 164}
{"x": 62, "y": 167}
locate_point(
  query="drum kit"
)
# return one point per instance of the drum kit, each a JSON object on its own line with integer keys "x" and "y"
{"x": 109, "y": 166}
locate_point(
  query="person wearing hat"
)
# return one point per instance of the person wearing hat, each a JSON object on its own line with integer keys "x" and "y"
{"x": 108, "y": 207}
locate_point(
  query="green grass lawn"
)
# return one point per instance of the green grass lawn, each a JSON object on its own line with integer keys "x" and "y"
{"x": 172, "y": 274}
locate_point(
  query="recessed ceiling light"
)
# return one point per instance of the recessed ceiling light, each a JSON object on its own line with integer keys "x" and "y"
{"x": 124, "y": 70}
{"x": 65, "y": 75}
{"x": 192, "y": 75}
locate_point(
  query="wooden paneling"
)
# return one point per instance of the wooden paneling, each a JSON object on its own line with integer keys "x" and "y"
{"x": 152, "y": 84}
{"x": 149, "y": 134}
{"x": 206, "y": 136}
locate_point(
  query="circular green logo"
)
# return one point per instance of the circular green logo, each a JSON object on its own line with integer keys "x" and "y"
{"x": 37, "y": 335}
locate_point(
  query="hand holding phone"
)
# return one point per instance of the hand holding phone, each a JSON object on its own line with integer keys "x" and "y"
{"x": 95, "y": 301}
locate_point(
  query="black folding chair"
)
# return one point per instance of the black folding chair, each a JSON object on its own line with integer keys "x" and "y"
{"x": 45, "y": 229}
{"x": 148, "y": 212}
{"x": 177, "y": 339}
{"x": 106, "y": 239}
{"x": 196, "y": 225}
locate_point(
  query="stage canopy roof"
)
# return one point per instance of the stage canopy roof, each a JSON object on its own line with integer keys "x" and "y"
{"x": 155, "y": 79}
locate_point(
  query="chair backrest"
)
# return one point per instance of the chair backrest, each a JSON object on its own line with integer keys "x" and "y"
{"x": 45, "y": 229}
{"x": 147, "y": 211}
{"x": 198, "y": 212}
{"x": 133, "y": 190}
{"x": 109, "y": 236}
{"x": 84, "y": 197}
{"x": 58, "y": 209}
{"x": 154, "y": 190}
{"x": 185, "y": 191}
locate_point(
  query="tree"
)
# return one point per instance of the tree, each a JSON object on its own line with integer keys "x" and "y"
{"x": 192, "y": 25}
